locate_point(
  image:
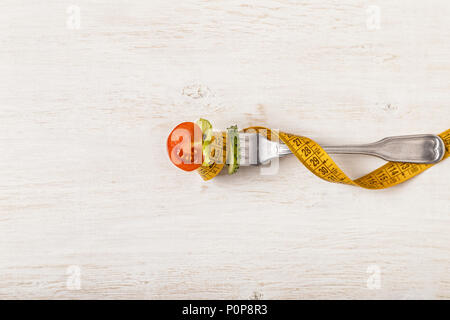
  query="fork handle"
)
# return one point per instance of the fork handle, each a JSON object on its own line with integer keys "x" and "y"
{"x": 424, "y": 148}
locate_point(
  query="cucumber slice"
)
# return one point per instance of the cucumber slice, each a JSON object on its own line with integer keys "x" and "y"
{"x": 206, "y": 127}
{"x": 233, "y": 150}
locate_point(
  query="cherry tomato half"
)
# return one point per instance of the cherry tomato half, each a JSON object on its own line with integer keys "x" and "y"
{"x": 184, "y": 146}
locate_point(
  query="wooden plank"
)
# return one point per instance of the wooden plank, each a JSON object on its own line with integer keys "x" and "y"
{"x": 90, "y": 206}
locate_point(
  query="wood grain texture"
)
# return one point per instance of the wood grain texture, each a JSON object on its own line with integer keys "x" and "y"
{"x": 85, "y": 181}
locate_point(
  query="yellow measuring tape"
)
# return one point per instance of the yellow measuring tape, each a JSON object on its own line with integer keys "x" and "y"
{"x": 314, "y": 157}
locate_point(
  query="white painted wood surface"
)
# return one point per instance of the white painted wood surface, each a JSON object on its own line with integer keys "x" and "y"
{"x": 87, "y": 192}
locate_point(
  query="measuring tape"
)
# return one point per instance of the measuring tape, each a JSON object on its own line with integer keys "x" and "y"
{"x": 314, "y": 157}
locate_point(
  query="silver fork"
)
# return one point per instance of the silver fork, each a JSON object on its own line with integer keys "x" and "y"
{"x": 423, "y": 148}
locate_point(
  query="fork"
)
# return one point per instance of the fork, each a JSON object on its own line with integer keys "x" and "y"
{"x": 255, "y": 149}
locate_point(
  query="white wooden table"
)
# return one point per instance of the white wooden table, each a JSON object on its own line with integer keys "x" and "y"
{"x": 90, "y": 206}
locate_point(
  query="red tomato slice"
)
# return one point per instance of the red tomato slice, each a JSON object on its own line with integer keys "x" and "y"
{"x": 184, "y": 146}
